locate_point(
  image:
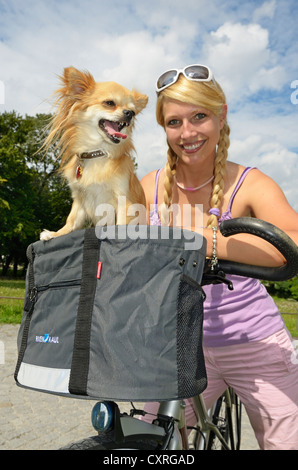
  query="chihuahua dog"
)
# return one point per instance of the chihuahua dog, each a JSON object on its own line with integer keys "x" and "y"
{"x": 93, "y": 125}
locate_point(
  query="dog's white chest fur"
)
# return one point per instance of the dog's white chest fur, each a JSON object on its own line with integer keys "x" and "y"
{"x": 100, "y": 201}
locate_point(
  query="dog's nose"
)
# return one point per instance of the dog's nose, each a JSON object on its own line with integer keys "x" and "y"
{"x": 128, "y": 114}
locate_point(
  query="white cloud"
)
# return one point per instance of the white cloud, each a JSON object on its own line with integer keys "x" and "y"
{"x": 272, "y": 158}
{"x": 270, "y": 125}
{"x": 242, "y": 59}
{"x": 267, "y": 9}
{"x": 139, "y": 56}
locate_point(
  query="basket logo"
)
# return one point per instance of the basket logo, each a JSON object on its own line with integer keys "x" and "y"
{"x": 47, "y": 339}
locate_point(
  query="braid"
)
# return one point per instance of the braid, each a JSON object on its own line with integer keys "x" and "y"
{"x": 170, "y": 171}
{"x": 219, "y": 174}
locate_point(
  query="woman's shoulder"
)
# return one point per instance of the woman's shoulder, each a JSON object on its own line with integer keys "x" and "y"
{"x": 253, "y": 181}
{"x": 251, "y": 175}
{"x": 149, "y": 177}
{"x": 235, "y": 172}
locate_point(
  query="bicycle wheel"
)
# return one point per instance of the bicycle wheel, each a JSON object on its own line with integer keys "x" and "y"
{"x": 103, "y": 442}
{"x": 227, "y": 416}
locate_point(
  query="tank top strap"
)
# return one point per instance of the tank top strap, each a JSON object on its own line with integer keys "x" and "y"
{"x": 154, "y": 216}
{"x": 236, "y": 189}
{"x": 156, "y": 186}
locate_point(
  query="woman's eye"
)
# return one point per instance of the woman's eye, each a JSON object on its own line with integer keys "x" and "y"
{"x": 200, "y": 116}
{"x": 173, "y": 122}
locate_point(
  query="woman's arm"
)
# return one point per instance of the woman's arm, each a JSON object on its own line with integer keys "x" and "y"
{"x": 244, "y": 248}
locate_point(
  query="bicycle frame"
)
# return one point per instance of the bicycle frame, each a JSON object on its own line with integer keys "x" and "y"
{"x": 208, "y": 425}
{"x": 170, "y": 425}
{"x": 176, "y": 410}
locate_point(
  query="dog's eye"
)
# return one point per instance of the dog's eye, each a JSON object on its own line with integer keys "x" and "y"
{"x": 110, "y": 103}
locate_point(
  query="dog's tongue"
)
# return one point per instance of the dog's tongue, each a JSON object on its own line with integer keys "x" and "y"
{"x": 112, "y": 129}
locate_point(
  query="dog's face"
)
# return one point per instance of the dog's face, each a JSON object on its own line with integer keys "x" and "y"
{"x": 101, "y": 115}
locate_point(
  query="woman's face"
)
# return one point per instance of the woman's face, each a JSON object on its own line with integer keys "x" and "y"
{"x": 192, "y": 131}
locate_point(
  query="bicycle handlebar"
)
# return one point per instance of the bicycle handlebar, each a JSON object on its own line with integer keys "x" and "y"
{"x": 271, "y": 234}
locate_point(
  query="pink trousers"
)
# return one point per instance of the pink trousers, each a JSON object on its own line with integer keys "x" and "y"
{"x": 264, "y": 374}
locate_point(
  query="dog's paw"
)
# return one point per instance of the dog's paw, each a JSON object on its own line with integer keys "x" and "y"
{"x": 46, "y": 235}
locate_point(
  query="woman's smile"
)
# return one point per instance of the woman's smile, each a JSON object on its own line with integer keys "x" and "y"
{"x": 192, "y": 147}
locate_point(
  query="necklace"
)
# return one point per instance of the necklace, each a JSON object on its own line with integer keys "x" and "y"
{"x": 194, "y": 189}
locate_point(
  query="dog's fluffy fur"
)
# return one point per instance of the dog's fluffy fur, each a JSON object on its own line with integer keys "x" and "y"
{"x": 95, "y": 116}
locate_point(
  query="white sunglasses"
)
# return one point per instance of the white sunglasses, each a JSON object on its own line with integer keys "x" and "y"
{"x": 196, "y": 73}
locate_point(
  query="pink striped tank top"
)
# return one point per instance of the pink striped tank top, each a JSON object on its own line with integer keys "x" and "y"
{"x": 242, "y": 315}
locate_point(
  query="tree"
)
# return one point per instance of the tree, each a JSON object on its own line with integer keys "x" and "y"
{"x": 33, "y": 196}
{"x": 283, "y": 289}
{"x": 3, "y": 203}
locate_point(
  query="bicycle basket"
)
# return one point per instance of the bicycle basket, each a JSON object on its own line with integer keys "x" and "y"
{"x": 108, "y": 316}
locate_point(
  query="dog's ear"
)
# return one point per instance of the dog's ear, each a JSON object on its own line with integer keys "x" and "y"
{"x": 77, "y": 82}
{"x": 140, "y": 101}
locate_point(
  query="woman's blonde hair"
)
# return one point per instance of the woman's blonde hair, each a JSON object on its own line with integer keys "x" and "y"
{"x": 209, "y": 95}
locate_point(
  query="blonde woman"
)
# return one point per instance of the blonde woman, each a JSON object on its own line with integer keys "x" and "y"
{"x": 246, "y": 344}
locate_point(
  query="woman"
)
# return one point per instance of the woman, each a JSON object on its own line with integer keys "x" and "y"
{"x": 246, "y": 344}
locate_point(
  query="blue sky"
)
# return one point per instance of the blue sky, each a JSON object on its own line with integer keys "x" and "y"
{"x": 251, "y": 47}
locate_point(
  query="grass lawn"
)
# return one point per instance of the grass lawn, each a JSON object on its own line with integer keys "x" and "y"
{"x": 11, "y": 309}
{"x": 289, "y": 306}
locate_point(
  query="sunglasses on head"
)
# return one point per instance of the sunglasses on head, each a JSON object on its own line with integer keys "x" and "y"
{"x": 196, "y": 73}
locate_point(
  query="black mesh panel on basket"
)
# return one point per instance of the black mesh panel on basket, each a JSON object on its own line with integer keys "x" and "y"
{"x": 191, "y": 365}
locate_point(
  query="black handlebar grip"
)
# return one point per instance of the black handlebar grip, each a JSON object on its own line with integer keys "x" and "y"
{"x": 279, "y": 239}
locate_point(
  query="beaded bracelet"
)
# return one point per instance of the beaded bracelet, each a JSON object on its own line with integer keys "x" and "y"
{"x": 214, "y": 259}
